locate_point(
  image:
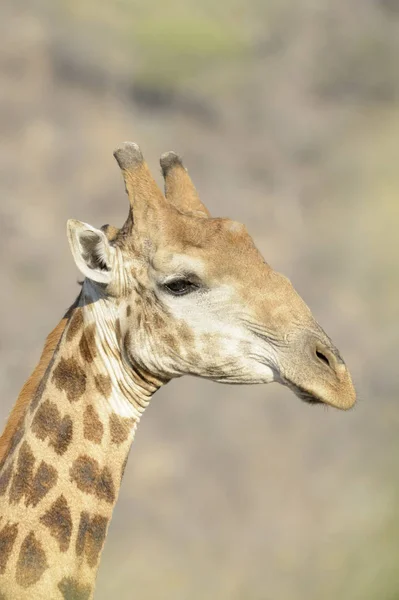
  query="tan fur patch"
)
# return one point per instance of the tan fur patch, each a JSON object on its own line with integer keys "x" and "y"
{"x": 32, "y": 561}
{"x": 71, "y": 589}
{"x": 91, "y": 536}
{"x": 87, "y": 345}
{"x": 120, "y": 428}
{"x": 48, "y": 423}
{"x": 89, "y": 478}
{"x": 59, "y": 522}
{"x": 92, "y": 427}
{"x": 70, "y": 377}
{"x": 128, "y": 310}
{"x": 103, "y": 384}
{"x": 8, "y": 536}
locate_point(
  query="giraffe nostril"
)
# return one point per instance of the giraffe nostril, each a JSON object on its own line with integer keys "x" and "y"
{"x": 323, "y": 358}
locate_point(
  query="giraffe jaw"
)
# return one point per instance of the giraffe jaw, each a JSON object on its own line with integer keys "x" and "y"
{"x": 304, "y": 395}
{"x": 329, "y": 397}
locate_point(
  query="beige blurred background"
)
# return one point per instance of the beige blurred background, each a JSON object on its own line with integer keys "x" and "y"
{"x": 287, "y": 115}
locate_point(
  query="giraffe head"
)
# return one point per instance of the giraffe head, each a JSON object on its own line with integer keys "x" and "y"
{"x": 194, "y": 295}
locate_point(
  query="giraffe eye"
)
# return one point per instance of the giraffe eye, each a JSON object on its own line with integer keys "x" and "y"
{"x": 180, "y": 287}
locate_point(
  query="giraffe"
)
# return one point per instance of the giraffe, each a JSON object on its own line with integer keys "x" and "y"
{"x": 173, "y": 292}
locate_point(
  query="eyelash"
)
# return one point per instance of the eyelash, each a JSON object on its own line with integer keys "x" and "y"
{"x": 187, "y": 286}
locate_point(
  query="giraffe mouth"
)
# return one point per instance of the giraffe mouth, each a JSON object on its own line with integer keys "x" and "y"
{"x": 304, "y": 394}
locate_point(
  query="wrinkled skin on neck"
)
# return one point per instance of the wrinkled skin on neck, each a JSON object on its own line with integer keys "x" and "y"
{"x": 196, "y": 296}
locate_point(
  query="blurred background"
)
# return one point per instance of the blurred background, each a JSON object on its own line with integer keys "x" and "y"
{"x": 287, "y": 116}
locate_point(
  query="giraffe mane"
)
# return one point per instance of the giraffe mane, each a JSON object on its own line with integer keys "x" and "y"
{"x": 28, "y": 391}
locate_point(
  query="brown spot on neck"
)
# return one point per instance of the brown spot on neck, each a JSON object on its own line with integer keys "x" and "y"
{"x": 93, "y": 429}
{"x": 59, "y": 521}
{"x": 71, "y": 589}
{"x": 5, "y": 478}
{"x": 91, "y": 479}
{"x": 24, "y": 474}
{"x": 87, "y": 344}
{"x": 91, "y": 536}
{"x": 27, "y": 485}
{"x": 8, "y": 536}
{"x": 45, "y": 478}
{"x": 32, "y": 561}
{"x": 75, "y": 324}
{"x": 103, "y": 384}
{"x": 70, "y": 377}
{"x": 48, "y": 423}
{"x": 120, "y": 428}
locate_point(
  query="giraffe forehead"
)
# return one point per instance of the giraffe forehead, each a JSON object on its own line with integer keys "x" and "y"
{"x": 170, "y": 263}
{"x": 209, "y": 248}
{"x": 180, "y": 233}
{"x": 231, "y": 253}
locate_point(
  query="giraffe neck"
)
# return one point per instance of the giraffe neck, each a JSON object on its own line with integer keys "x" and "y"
{"x": 60, "y": 479}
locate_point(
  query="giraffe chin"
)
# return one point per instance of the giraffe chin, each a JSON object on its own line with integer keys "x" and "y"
{"x": 305, "y": 395}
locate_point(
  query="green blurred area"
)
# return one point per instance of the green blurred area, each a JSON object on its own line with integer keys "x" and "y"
{"x": 287, "y": 115}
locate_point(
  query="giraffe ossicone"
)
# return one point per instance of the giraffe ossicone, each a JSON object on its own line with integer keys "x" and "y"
{"x": 172, "y": 292}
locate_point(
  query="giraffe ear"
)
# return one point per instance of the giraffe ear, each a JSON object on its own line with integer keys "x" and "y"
{"x": 93, "y": 254}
